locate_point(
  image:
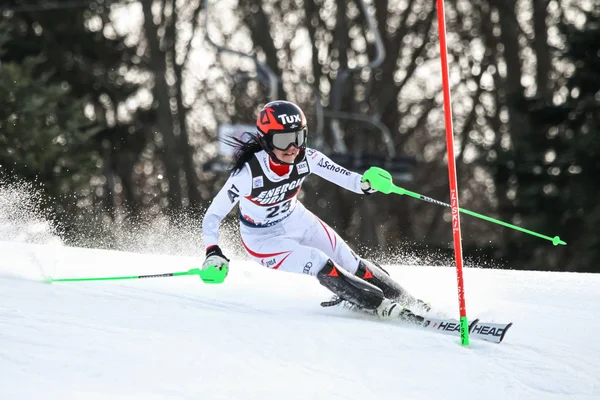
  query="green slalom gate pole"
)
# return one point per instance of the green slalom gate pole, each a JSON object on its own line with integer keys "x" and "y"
{"x": 209, "y": 275}
{"x": 381, "y": 179}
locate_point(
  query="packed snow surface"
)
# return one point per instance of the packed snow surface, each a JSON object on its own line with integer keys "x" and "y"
{"x": 262, "y": 334}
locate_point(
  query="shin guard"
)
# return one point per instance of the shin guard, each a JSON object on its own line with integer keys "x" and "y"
{"x": 349, "y": 287}
{"x": 374, "y": 274}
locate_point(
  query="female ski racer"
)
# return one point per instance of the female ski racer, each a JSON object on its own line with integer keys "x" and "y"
{"x": 278, "y": 232}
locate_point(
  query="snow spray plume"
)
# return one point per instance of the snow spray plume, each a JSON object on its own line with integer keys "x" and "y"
{"x": 156, "y": 234}
{"x": 27, "y": 237}
{"x": 412, "y": 253}
{"x": 22, "y": 218}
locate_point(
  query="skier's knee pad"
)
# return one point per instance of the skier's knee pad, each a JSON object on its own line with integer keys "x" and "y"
{"x": 374, "y": 274}
{"x": 350, "y": 287}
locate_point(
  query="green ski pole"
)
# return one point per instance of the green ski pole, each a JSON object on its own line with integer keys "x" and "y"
{"x": 209, "y": 275}
{"x": 381, "y": 180}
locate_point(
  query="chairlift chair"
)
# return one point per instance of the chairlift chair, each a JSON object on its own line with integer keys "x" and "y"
{"x": 401, "y": 167}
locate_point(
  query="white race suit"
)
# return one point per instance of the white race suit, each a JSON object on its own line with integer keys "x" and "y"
{"x": 277, "y": 230}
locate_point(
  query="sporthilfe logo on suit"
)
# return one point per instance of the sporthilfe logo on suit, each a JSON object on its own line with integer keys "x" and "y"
{"x": 257, "y": 182}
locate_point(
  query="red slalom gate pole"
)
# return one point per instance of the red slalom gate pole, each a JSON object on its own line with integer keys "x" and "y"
{"x": 464, "y": 325}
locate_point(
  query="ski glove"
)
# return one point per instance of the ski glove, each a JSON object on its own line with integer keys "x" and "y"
{"x": 379, "y": 180}
{"x": 215, "y": 257}
{"x": 366, "y": 187}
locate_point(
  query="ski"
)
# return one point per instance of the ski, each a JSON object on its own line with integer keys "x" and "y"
{"x": 479, "y": 330}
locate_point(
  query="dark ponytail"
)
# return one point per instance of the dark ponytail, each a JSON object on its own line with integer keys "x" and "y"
{"x": 245, "y": 150}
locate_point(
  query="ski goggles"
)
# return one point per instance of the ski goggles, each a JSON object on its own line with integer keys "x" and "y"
{"x": 283, "y": 140}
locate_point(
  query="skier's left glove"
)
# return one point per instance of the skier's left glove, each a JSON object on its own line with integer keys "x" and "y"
{"x": 215, "y": 257}
{"x": 366, "y": 187}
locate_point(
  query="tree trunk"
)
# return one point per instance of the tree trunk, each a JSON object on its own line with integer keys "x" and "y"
{"x": 258, "y": 22}
{"x": 540, "y": 46}
{"x": 158, "y": 65}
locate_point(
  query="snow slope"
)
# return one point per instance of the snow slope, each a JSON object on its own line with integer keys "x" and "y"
{"x": 262, "y": 334}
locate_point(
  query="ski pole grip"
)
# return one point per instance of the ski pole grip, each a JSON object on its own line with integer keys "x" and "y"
{"x": 380, "y": 180}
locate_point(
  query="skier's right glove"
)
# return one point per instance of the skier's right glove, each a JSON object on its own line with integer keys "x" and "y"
{"x": 215, "y": 257}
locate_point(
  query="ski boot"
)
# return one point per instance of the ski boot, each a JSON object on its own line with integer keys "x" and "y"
{"x": 390, "y": 310}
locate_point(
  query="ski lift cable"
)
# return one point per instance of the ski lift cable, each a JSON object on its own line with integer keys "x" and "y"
{"x": 345, "y": 73}
{"x": 264, "y": 68}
